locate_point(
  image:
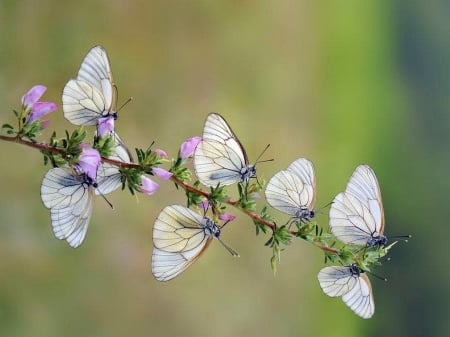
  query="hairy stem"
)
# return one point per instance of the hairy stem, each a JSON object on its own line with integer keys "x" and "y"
{"x": 182, "y": 184}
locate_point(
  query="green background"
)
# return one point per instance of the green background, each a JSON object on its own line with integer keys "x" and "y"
{"x": 339, "y": 82}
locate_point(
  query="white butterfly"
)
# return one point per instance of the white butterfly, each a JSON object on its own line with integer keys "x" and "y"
{"x": 180, "y": 236}
{"x": 109, "y": 177}
{"x": 92, "y": 94}
{"x": 356, "y": 215}
{"x": 352, "y": 284}
{"x": 69, "y": 194}
{"x": 293, "y": 191}
{"x": 220, "y": 157}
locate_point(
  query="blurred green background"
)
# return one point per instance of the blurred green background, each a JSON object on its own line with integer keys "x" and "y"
{"x": 338, "y": 82}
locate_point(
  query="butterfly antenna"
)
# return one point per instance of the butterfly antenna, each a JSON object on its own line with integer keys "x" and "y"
{"x": 403, "y": 238}
{"x": 323, "y": 207}
{"x": 261, "y": 154}
{"x": 126, "y": 102}
{"x": 377, "y": 276}
{"x": 230, "y": 250}
{"x": 107, "y": 201}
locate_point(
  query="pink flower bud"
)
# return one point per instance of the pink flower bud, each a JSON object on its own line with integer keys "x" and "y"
{"x": 161, "y": 153}
{"x": 204, "y": 204}
{"x": 148, "y": 186}
{"x": 189, "y": 145}
{"x": 225, "y": 216}
{"x": 161, "y": 173}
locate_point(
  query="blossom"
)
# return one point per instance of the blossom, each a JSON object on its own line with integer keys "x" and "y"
{"x": 204, "y": 204}
{"x": 30, "y": 102}
{"x": 189, "y": 145}
{"x": 161, "y": 173}
{"x": 105, "y": 125}
{"x": 225, "y": 216}
{"x": 148, "y": 186}
{"x": 89, "y": 160}
{"x": 161, "y": 153}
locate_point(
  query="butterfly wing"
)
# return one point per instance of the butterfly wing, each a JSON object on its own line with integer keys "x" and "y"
{"x": 293, "y": 190}
{"x": 70, "y": 202}
{"x": 336, "y": 280}
{"x": 363, "y": 184}
{"x": 355, "y": 289}
{"x": 92, "y": 95}
{"x": 350, "y": 220}
{"x": 360, "y": 298}
{"x": 96, "y": 70}
{"x": 219, "y": 157}
{"x": 179, "y": 240}
{"x": 109, "y": 177}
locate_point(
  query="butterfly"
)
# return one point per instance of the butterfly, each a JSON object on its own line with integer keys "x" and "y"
{"x": 220, "y": 157}
{"x": 69, "y": 194}
{"x": 356, "y": 215}
{"x": 352, "y": 284}
{"x": 293, "y": 191}
{"x": 92, "y": 95}
{"x": 180, "y": 237}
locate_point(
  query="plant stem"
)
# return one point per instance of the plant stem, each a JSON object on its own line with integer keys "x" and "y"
{"x": 182, "y": 184}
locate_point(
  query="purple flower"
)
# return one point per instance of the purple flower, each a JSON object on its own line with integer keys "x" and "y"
{"x": 33, "y": 95}
{"x": 105, "y": 125}
{"x": 89, "y": 161}
{"x": 189, "y": 145}
{"x": 225, "y": 216}
{"x": 30, "y": 102}
{"x": 148, "y": 186}
{"x": 161, "y": 153}
{"x": 161, "y": 173}
{"x": 204, "y": 204}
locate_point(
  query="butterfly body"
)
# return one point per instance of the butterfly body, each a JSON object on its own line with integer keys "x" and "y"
{"x": 356, "y": 215}
{"x": 352, "y": 284}
{"x": 220, "y": 158}
{"x": 69, "y": 194}
{"x": 293, "y": 191}
{"x": 180, "y": 237}
{"x": 92, "y": 95}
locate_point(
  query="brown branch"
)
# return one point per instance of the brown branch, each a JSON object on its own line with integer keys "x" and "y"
{"x": 182, "y": 184}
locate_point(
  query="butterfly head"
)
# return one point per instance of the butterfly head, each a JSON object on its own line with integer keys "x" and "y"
{"x": 377, "y": 241}
{"x": 210, "y": 228}
{"x": 248, "y": 172}
{"x": 355, "y": 270}
{"x": 304, "y": 214}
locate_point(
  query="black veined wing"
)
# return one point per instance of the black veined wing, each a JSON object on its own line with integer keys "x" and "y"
{"x": 293, "y": 191}
{"x": 92, "y": 94}
{"x": 180, "y": 236}
{"x": 109, "y": 177}
{"x": 356, "y": 215}
{"x": 70, "y": 198}
{"x": 69, "y": 194}
{"x": 352, "y": 284}
{"x": 220, "y": 157}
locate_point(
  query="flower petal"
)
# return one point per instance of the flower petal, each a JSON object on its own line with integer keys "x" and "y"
{"x": 89, "y": 161}
{"x": 148, "y": 186}
{"x": 33, "y": 95}
{"x": 204, "y": 204}
{"x": 40, "y": 109}
{"x": 225, "y": 216}
{"x": 161, "y": 173}
{"x": 105, "y": 125}
{"x": 189, "y": 145}
{"x": 161, "y": 153}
